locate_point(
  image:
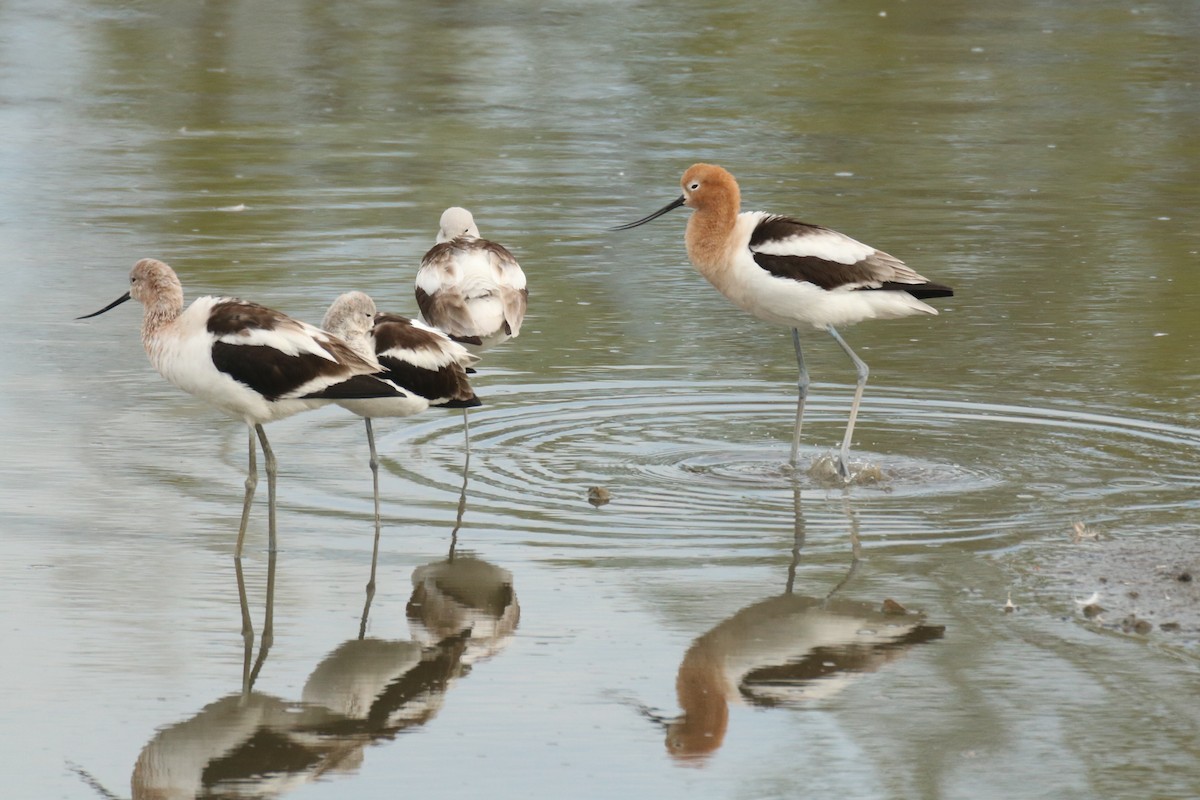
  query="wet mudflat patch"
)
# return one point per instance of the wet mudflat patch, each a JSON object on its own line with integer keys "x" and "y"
{"x": 1146, "y": 586}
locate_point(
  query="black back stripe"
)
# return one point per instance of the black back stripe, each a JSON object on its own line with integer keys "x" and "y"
{"x": 233, "y": 316}
{"x": 816, "y": 270}
{"x": 358, "y": 387}
{"x": 446, "y": 386}
{"x": 777, "y": 228}
{"x": 266, "y": 370}
{"x": 275, "y": 374}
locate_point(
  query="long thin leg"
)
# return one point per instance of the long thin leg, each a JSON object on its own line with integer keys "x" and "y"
{"x": 268, "y": 632}
{"x": 467, "y": 432}
{"x": 251, "y": 484}
{"x": 362, "y": 626}
{"x": 855, "y": 549}
{"x": 269, "y": 458}
{"x": 462, "y": 507}
{"x": 797, "y": 538}
{"x": 862, "y": 370}
{"x": 374, "y": 469}
{"x": 801, "y": 396}
{"x": 247, "y": 626}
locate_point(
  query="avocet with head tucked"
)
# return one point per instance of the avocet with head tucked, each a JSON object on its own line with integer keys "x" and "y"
{"x": 795, "y": 274}
{"x": 471, "y": 288}
{"x": 425, "y": 363}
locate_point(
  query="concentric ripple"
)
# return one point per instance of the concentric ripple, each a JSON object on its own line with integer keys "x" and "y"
{"x": 710, "y": 459}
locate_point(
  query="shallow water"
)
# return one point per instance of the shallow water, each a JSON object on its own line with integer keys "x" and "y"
{"x": 1039, "y": 157}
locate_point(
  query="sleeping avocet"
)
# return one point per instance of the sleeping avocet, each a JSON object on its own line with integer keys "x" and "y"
{"x": 795, "y": 274}
{"x": 424, "y": 362}
{"x": 471, "y": 288}
{"x": 250, "y": 361}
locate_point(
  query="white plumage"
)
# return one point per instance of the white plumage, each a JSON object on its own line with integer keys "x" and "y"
{"x": 794, "y": 274}
{"x": 470, "y": 287}
{"x": 250, "y": 361}
{"x": 424, "y": 365}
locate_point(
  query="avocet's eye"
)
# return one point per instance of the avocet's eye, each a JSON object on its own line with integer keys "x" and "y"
{"x": 693, "y": 186}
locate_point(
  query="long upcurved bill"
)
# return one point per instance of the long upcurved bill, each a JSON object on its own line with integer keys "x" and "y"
{"x": 676, "y": 203}
{"x": 111, "y": 305}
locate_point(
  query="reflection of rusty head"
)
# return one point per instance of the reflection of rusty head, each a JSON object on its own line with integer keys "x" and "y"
{"x": 782, "y": 651}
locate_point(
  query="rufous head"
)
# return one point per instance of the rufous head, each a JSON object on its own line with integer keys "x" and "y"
{"x": 707, "y": 185}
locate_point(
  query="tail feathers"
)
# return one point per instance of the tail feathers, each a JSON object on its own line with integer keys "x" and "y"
{"x": 921, "y": 290}
{"x": 470, "y": 402}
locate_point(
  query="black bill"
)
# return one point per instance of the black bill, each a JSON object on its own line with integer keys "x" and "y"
{"x": 674, "y": 204}
{"x": 111, "y": 305}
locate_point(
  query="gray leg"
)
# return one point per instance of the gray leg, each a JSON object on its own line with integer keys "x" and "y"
{"x": 251, "y": 484}
{"x": 462, "y": 505}
{"x": 268, "y": 633}
{"x": 862, "y": 370}
{"x": 798, "y": 534}
{"x": 855, "y": 549}
{"x": 269, "y": 458}
{"x": 374, "y": 469}
{"x": 801, "y": 396}
{"x": 362, "y": 626}
{"x": 247, "y": 625}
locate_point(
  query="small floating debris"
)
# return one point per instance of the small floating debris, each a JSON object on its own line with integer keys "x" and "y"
{"x": 599, "y": 496}
{"x": 1009, "y": 606}
{"x": 1083, "y": 533}
{"x": 890, "y": 606}
{"x": 238, "y": 207}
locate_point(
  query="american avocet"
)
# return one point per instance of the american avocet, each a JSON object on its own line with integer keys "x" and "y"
{"x": 471, "y": 288}
{"x": 425, "y": 363}
{"x": 252, "y": 362}
{"x": 795, "y": 274}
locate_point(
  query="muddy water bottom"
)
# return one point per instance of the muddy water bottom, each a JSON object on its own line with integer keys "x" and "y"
{"x": 1143, "y": 585}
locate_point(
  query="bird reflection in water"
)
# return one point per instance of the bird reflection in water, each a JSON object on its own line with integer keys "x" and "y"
{"x": 785, "y": 650}
{"x": 367, "y": 690}
{"x": 464, "y": 595}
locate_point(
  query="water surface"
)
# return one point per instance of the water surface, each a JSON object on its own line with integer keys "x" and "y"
{"x": 1039, "y": 157}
